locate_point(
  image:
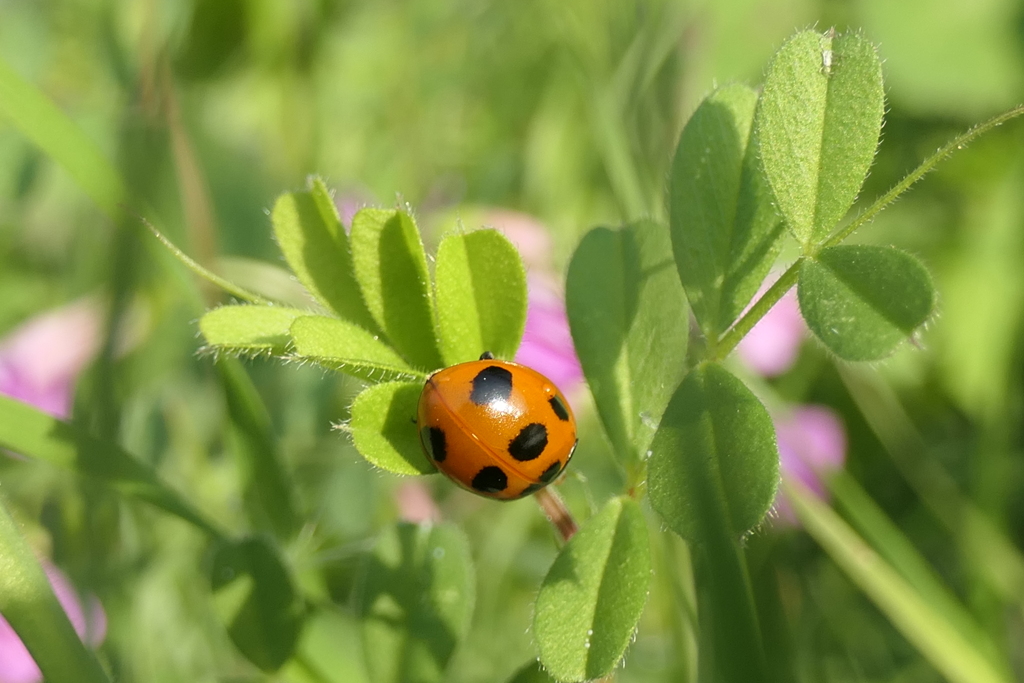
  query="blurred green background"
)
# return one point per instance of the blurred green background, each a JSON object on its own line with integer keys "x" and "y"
{"x": 568, "y": 110}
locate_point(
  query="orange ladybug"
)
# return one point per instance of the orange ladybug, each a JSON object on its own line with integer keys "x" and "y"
{"x": 496, "y": 428}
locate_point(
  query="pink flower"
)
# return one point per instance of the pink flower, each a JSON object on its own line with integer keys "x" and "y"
{"x": 415, "y": 504}
{"x": 771, "y": 347}
{"x": 812, "y": 444}
{"x": 547, "y": 343}
{"x": 90, "y": 622}
{"x": 40, "y": 360}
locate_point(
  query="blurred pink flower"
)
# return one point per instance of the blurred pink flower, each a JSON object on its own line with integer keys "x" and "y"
{"x": 547, "y": 343}
{"x": 89, "y": 620}
{"x": 812, "y": 445}
{"x": 415, "y": 504}
{"x": 771, "y": 347}
{"x": 40, "y": 360}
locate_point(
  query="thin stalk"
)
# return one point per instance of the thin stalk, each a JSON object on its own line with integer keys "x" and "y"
{"x": 557, "y": 513}
{"x": 927, "y": 165}
{"x": 229, "y": 287}
{"x": 736, "y": 333}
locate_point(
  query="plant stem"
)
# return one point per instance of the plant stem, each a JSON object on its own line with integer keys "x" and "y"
{"x": 229, "y": 287}
{"x": 732, "y": 337}
{"x": 927, "y": 165}
{"x": 557, "y": 513}
{"x": 736, "y": 333}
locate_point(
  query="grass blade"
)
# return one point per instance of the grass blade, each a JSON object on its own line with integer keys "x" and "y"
{"x": 934, "y": 637}
{"x": 28, "y": 603}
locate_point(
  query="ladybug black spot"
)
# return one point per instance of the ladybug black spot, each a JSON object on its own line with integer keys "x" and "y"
{"x": 434, "y": 441}
{"x": 490, "y": 479}
{"x": 532, "y": 488}
{"x": 493, "y": 383}
{"x": 551, "y": 472}
{"x": 529, "y": 443}
{"x": 559, "y": 408}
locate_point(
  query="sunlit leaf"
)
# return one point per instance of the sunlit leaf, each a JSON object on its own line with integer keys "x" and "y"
{"x": 630, "y": 325}
{"x": 257, "y": 600}
{"x": 350, "y": 349}
{"x": 391, "y": 267}
{"x": 818, "y": 125}
{"x": 594, "y": 593}
{"x": 314, "y": 243}
{"x": 481, "y": 296}
{"x": 415, "y": 599}
{"x": 725, "y": 231}
{"x": 863, "y": 301}
{"x": 383, "y": 428}
{"x": 249, "y": 329}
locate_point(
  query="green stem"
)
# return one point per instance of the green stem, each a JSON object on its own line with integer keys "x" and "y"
{"x": 736, "y": 333}
{"x": 927, "y": 165}
{"x": 229, "y": 287}
{"x": 29, "y": 605}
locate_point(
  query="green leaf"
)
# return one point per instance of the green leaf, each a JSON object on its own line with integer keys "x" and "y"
{"x": 714, "y": 463}
{"x": 266, "y": 483}
{"x": 818, "y": 125}
{"x": 316, "y": 247}
{"x": 39, "y": 119}
{"x": 349, "y": 348}
{"x": 31, "y": 432}
{"x": 712, "y": 477}
{"x": 725, "y": 231}
{"x": 29, "y": 605}
{"x": 249, "y": 329}
{"x": 863, "y": 301}
{"x": 415, "y": 599}
{"x": 256, "y": 599}
{"x": 934, "y": 637}
{"x": 592, "y": 597}
{"x": 383, "y": 428}
{"x": 392, "y": 271}
{"x": 531, "y": 673}
{"x": 481, "y": 296}
{"x": 629, "y": 322}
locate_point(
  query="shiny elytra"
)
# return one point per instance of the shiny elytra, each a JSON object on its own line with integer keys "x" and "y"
{"x": 495, "y": 428}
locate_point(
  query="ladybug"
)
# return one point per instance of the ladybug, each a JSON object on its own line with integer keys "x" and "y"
{"x": 495, "y": 428}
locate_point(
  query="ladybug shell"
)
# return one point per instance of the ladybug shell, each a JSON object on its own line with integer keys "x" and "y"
{"x": 495, "y": 428}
